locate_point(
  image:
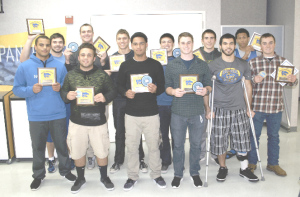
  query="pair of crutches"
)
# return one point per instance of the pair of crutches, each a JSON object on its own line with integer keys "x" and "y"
{"x": 209, "y": 128}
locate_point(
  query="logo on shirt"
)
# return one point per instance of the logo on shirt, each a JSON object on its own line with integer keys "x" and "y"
{"x": 229, "y": 76}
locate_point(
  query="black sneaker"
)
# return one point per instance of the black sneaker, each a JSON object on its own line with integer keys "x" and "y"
{"x": 164, "y": 169}
{"x": 107, "y": 183}
{"x": 160, "y": 182}
{"x": 143, "y": 166}
{"x": 197, "y": 181}
{"x": 115, "y": 168}
{"x": 247, "y": 174}
{"x": 70, "y": 177}
{"x": 223, "y": 171}
{"x": 176, "y": 182}
{"x": 36, "y": 183}
{"x": 77, "y": 185}
{"x": 129, "y": 184}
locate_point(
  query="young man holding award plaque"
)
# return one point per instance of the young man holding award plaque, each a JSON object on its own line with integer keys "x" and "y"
{"x": 164, "y": 102}
{"x": 119, "y": 105}
{"x": 87, "y": 36}
{"x": 46, "y": 110}
{"x": 57, "y": 42}
{"x": 268, "y": 102}
{"x": 141, "y": 79}
{"x": 88, "y": 89}
{"x": 187, "y": 106}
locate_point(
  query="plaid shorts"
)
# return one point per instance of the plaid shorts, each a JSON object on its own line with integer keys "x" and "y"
{"x": 234, "y": 123}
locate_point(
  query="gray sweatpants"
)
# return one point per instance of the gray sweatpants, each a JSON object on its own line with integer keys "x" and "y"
{"x": 38, "y": 133}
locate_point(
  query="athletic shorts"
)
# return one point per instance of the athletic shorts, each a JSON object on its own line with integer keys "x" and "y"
{"x": 234, "y": 123}
{"x": 80, "y": 136}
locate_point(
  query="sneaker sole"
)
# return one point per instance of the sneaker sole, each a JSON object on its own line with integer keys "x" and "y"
{"x": 220, "y": 180}
{"x": 195, "y": 185}
{"x": 128, "y": 189}
{"x": 144, "y": 170}
{"x": 75, "y": 192}
{"x": 68, "y": 179}
{"x": 251, "y": 180}
{"x": 275, "y": 172}
{"x": 162, "y": 187}
{"x": 34, "y": 189}
{"x": 174, "y": 187}
{"x": 164, "y": 172}
{"x": 113, "y": 172}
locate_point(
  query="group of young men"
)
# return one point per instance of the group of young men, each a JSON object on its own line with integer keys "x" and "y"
{"x": 162, "y": 107}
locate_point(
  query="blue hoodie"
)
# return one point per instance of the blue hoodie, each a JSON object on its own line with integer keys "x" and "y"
{"x": 46, "y": 105}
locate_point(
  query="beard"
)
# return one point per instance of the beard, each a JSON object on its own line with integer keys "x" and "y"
{"x": 227, "y": 54}
{"x": 57, "y": 51}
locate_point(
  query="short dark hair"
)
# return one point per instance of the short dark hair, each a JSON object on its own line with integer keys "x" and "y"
{"x": 57, "y": 35}
{"x": 139, "y": 34}
{"x": 89, "y": 46}
{"x": 209, "y": 31}
{"x": 242, "y": 30}
{"x": 41, "y": 37}
{"x": 227, "y": 36}
{"x": 86, "y": 24}
{"x": 123, "y": 31}
{"x": 266, "y": 35}
{"x": 166, "y": 35}
{"x": 185, "y": 34}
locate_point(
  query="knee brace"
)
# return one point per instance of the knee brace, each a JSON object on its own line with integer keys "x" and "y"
{"x": 241, "y": 156}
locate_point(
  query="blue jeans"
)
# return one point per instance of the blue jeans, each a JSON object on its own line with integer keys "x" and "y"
{"x": 273, "y": 126}
{"x": 165, "y": 120}
{"x": 196, "y": 125}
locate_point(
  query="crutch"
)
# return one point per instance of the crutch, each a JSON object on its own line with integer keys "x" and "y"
{"x": 252, "y": 128}
{"x": 286, "y": 111}
{"x": 208, "y": 128}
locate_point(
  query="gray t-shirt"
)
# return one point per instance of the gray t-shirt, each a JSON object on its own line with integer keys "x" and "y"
{"x": 229, "y": 93}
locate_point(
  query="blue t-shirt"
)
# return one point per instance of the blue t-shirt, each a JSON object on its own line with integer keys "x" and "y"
{"x": 187, "y": 63}
{"x": 62, "y": 59}
{"x": 164, "y": 98}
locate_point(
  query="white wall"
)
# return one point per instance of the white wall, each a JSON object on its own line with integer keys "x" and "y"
{"x": 53, "y": 12}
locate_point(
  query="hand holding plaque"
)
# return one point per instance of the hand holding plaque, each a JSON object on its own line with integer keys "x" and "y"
{"x": 101, "y": 45}
{"x": 46, "y": 76}
{"x": 35, "y": 26}
{"x": 85, "y": 95}
{"x": 186, "y": 82}
{"x": 282, "y": 73}
{"x": 136, "y": 82}
{"x": 255, "y": 41}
